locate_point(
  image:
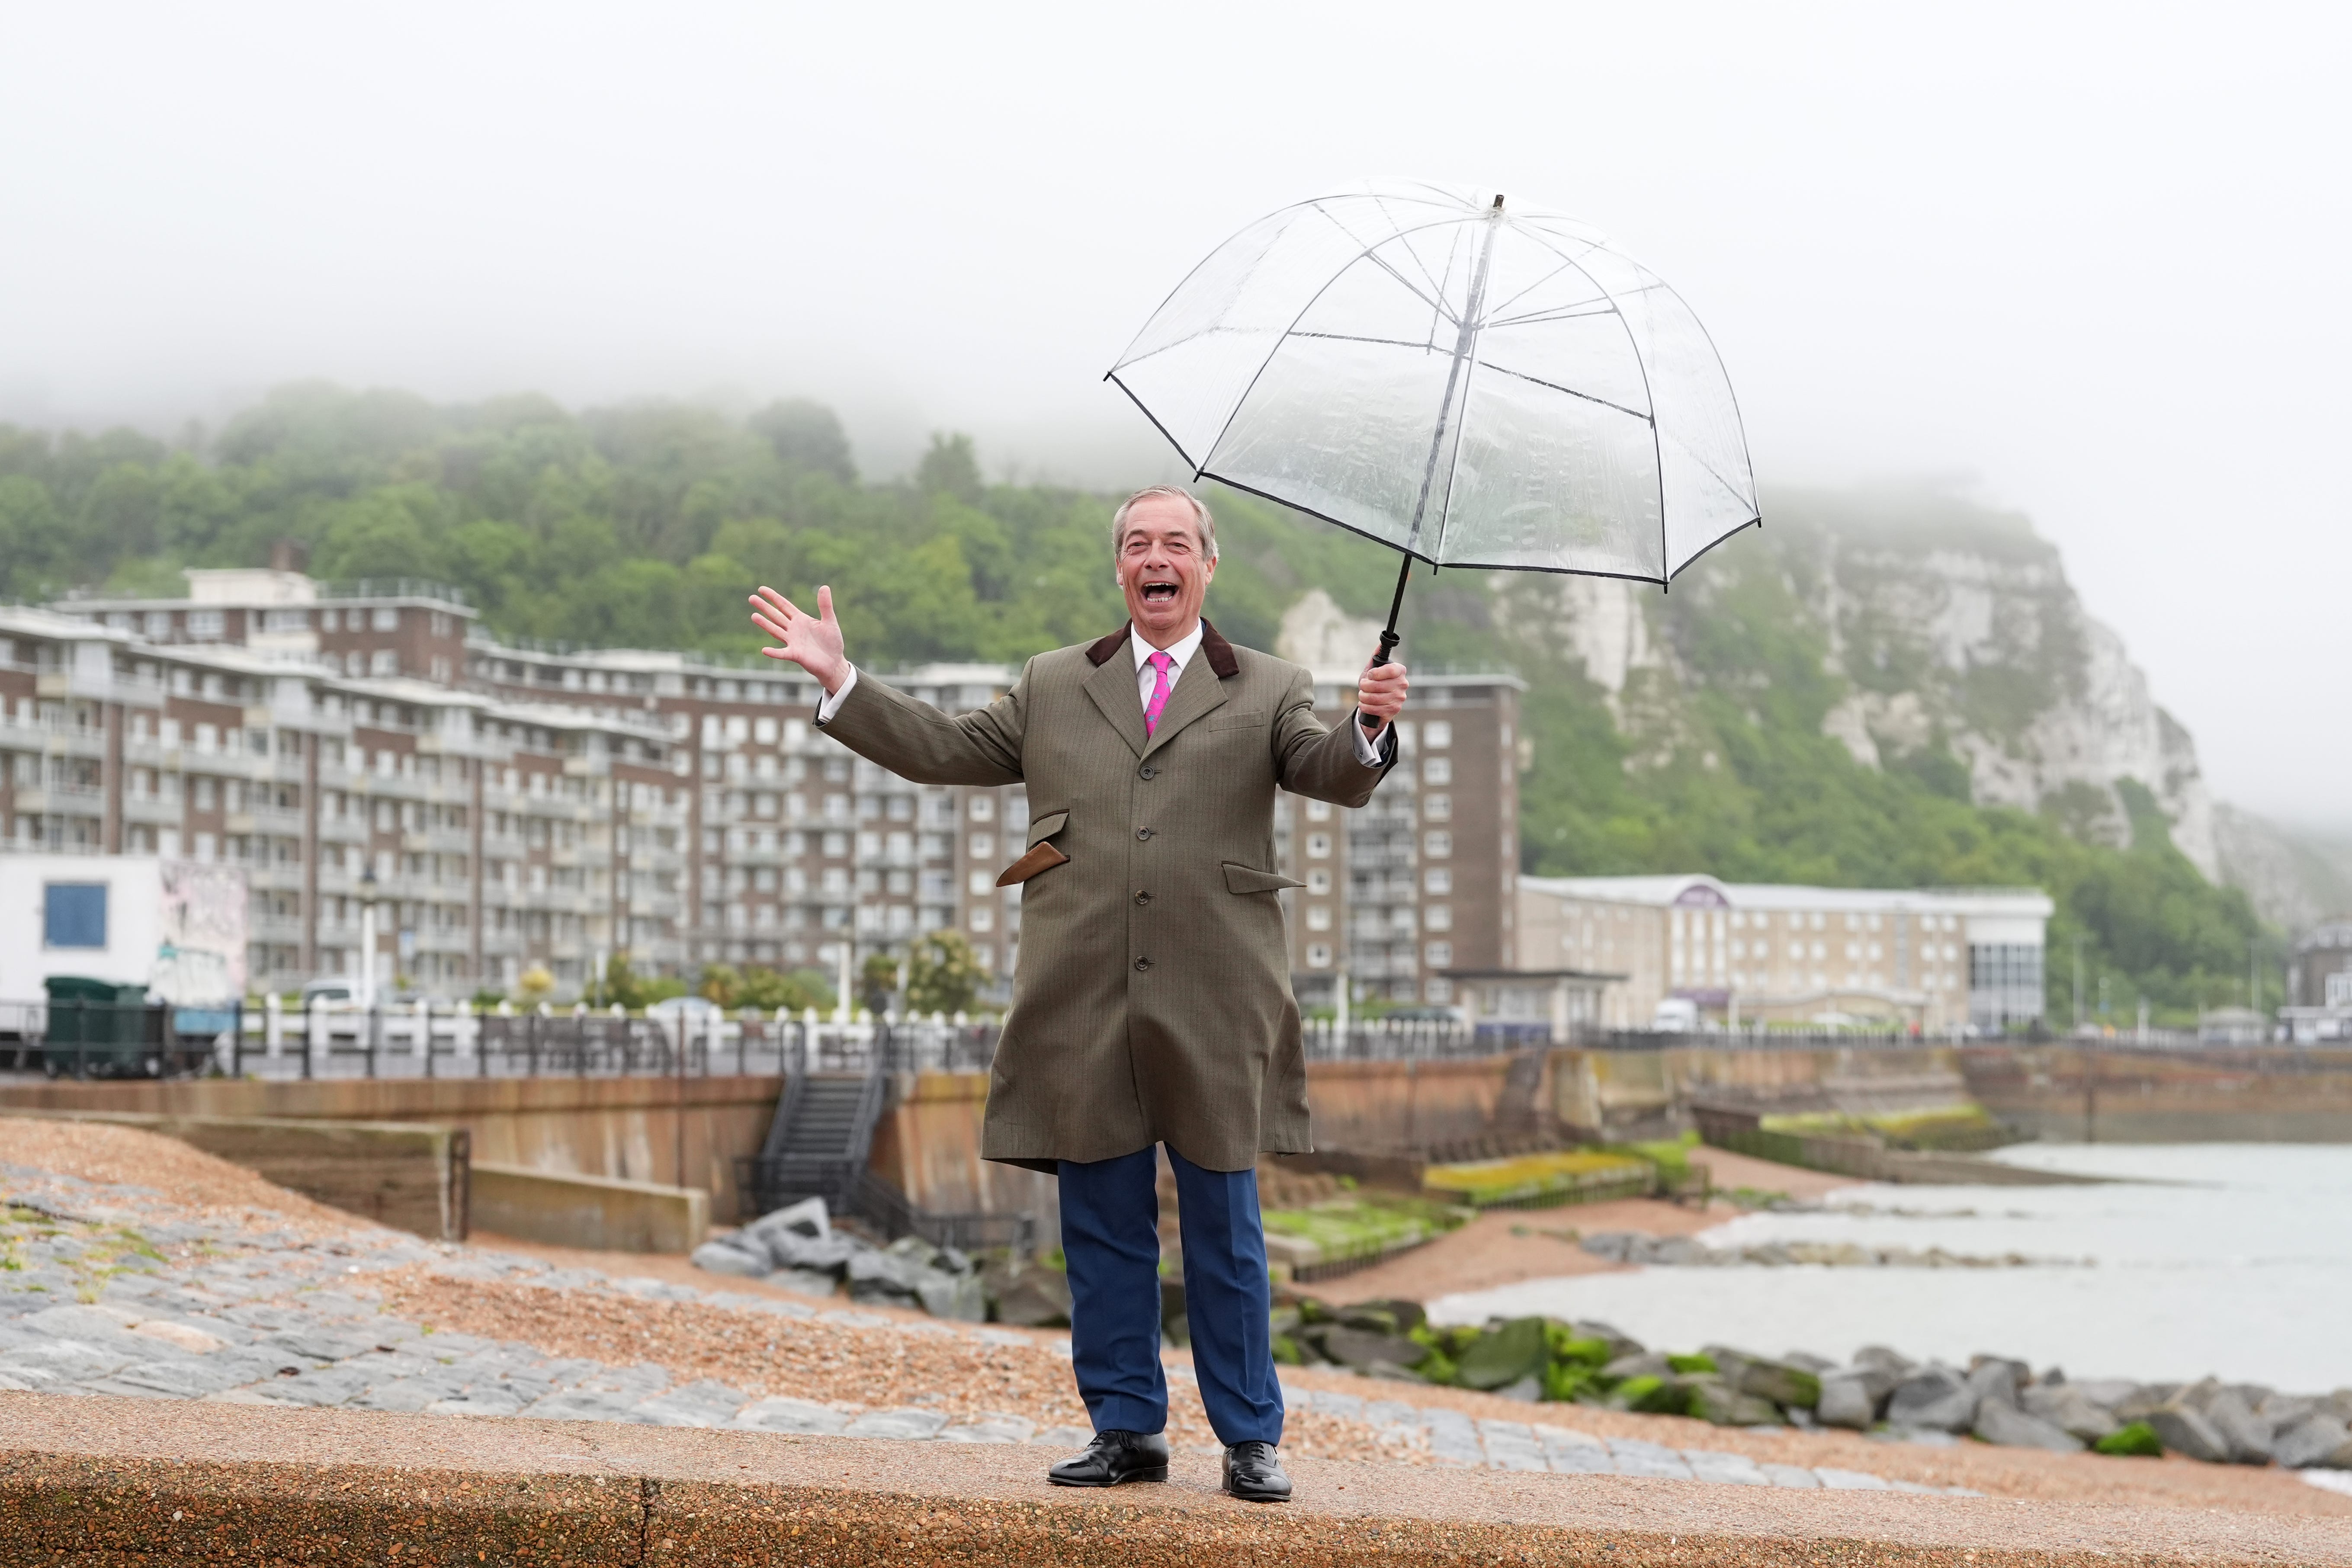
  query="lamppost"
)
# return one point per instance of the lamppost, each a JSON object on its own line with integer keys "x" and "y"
{"x": 367, "y": 937}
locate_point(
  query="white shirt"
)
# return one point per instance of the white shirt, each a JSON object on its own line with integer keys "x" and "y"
{"x": 1146, "y": 679}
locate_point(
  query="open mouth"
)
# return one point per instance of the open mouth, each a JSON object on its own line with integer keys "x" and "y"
{"x": 1159, "y": 592}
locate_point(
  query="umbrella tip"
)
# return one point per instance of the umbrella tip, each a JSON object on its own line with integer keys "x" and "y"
{"x": 1498, "y": 201}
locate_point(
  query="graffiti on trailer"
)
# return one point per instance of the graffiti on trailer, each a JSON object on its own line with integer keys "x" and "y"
{"x": 200, "y": 956}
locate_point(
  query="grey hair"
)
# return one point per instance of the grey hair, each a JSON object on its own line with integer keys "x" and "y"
{"x": 1206, "y": 524}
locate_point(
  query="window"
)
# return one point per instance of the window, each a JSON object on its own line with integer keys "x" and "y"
{"x": 1437, "y": 770}
{"x": 1318, "y": 845}
{"x": 207, "y": 625}
{"x": 74, "y": 914}
{"x": 983, "y": 918}
{"x": 983, "y": 807}
{"x": 1438, "y": 917}
{"x": 384, "y": 661}
{"x": 1437, "y": 845}
{"x": 159, "y": 625}
{"x": 1437, "y": 808}
{"x": 1318, "y": 917}
{"x": 1318, "y": 811}
{"x": 1318, "y": 956}
{"x": 1318, "y": 882}
{"x": 286, "y": 621}
{"x": 764, "y": 731}
{"x": 386, "y": 618}
{"x": 978, "y": 884}
{"x": 1438, "y": 954}
{"x": 1436, "y": 735}
{"x": 1437, "y": 880}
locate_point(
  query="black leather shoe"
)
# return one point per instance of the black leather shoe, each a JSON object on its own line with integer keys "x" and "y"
{"x": 1116, "y": 1456}
{"x": 1253, "y": 1473}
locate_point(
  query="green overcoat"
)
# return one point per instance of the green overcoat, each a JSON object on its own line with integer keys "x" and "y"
{"x": 1151, "y": 1001}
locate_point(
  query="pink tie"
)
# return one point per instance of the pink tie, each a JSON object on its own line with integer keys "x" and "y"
{"x": 1151, "y": 709}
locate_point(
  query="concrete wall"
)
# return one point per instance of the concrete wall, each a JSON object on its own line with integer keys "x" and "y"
{"x": 928, "y": 1146}
{"x": 2260, "y": 1094}
{"x": 408, "y": 1175}
{"x": 1620, "y": 1094}
{"x": 677, "y": 1132}
{"x": 593, "y": 1211}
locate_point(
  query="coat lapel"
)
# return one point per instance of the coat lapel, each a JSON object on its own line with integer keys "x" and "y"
{"x": 1199, "y": 690}
{"x": 1112, "y": 686}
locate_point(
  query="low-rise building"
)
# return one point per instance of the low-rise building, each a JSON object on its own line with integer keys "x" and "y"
{"x": 1940, "y": 958}
{"x": 2319, "y": 984}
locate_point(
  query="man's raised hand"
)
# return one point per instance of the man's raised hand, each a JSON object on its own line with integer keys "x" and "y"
{"x": 812, "y": 642}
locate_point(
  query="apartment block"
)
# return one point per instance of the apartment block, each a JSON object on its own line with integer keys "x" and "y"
{"x": 506, "y": 805}
{"x": 1422, "y": 880}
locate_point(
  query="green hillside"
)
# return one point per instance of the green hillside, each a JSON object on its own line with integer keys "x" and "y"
{"x": 647, "y": 524}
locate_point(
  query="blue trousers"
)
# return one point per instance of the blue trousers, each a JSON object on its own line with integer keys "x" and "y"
{"x": 1110, "y": 1237}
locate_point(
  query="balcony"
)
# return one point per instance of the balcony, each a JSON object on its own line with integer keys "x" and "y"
{"x": 148, "y": 808}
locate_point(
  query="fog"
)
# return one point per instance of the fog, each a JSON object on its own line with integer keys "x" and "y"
{"x": 2086, "y": 262}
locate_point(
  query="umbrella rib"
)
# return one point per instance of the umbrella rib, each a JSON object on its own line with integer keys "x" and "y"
{"x": 1381, "y": 203}
{"x": 1231, "y": 483}
{"x": 1523, "y": 375}
{"x": 1649, "y": 394}
{"x": 1234, "y": 412}
{"x": 1555, "y": 313}
{"x": 1112, "y": 376}
{"x": 1492, "y": 316}
{"x": 1372, "y": 253}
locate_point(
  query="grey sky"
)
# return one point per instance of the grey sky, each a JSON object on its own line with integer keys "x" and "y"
{"x": 2091, "y": 261}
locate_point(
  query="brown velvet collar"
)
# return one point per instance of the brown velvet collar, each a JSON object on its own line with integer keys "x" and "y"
{"x": 1215, "y": 648}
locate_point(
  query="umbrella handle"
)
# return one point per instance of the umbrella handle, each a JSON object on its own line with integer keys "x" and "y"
{"x": 1389, "y": 638}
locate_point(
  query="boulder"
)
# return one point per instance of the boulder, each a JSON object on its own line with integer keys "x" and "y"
{"x": 828, "y": 1254}
{"x": 2247, "y": 1434}
{"x": 2000, "y": 1422}
{"x": 1361, "y": 1348}
{"x": 2106, "y": 1393}
{"x": 1390, "y": 1317}
{"x": 1527, "y": 1390}
{"x": 1616, "y": 1245}
{"x": 807, "y": 1281}
{"x": 2185, "y": 1431}
{"x": 2284, "y": 1410}
{"x": 1643, "y": 1364}
{"x": 2069, "y": 1409}
{"x": 2196, "y": 1395}
{"x": 1936, "y": 1397}
{"x": 1036, "y": 1297}
{"x": 1846, "y": 1400}
{"x": 1780, "y": 1384}
{"x": 723, "y": 1256}
{"x": 1503, "y": 1355}
{"x": 806, "y": 1218}
{"x": 1992, "y": 1377}
{"x": 1806, "y": 1361}
{"x": 1880, "y": 1359}
{"x": 910, "y": 1272}
{"x": 2145, "y": 1400}
{"x": 2339, "y": 1405}
{"x": 1619, "y": 1342}
{"x": 1713, "y": 1399}
{"x": 2317, "y": 1440}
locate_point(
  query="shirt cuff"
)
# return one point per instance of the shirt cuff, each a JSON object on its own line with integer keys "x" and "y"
{"x": 1367, "y": 742}
{"x": 832, "y": 705}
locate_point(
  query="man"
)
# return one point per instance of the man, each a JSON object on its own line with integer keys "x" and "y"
{"x": 1152, "y": 999}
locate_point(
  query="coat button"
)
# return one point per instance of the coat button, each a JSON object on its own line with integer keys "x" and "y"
{"x": 1141, "y": 964}
{"x": 1143, "y": 833}
{"x": 1143, "y": 898}
{"x": 1148, "y": 771}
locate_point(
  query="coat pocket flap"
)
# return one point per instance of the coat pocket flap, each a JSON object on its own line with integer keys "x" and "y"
{"x": 1044, "y": 857}
{"x": 1249, "y": 879}
{"x": 1045, "y": 827}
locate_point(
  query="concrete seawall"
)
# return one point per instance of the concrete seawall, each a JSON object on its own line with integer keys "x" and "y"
{"x": 2252, "y": 1095}
{"x": 675, "y": 1131}
{"x": 100, "y": 1480}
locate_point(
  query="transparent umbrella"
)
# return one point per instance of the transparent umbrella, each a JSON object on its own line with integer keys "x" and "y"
{"x": 1473, "y": 384}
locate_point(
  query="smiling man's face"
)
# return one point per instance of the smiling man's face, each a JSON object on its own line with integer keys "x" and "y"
{"x": 1163, "y": 570}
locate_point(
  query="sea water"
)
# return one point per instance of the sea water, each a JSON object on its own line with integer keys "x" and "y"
{"x": 2233, "y": 1259}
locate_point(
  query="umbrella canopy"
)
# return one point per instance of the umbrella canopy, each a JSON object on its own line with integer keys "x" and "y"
{"x": 1474, "y": 384}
